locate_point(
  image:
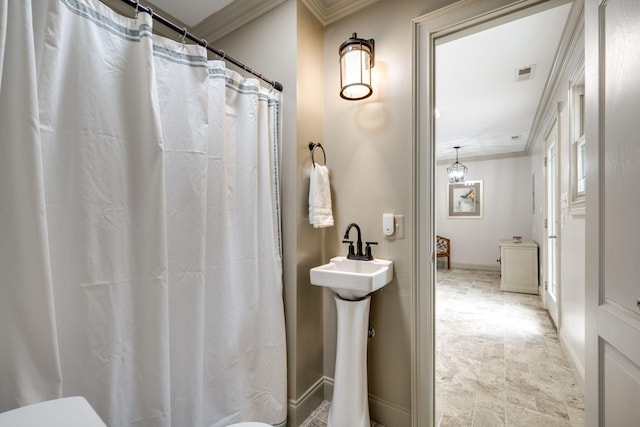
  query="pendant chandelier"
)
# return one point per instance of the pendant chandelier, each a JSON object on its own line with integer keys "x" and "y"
{"x": 457, "y": 172}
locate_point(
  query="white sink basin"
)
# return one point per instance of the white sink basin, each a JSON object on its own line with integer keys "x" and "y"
{"x": 352, "y": 279}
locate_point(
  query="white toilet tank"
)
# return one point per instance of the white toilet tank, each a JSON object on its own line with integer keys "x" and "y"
{"x": 65, "y": 412}
{"x": 250, "y": 424}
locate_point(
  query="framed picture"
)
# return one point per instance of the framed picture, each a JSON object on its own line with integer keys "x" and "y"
{"x": 465, "y": 200}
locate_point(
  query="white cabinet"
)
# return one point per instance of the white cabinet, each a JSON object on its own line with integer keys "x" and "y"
{"x": 519, "y": 266}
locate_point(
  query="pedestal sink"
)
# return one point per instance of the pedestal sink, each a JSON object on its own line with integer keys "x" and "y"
{"x": 352, "y": 281}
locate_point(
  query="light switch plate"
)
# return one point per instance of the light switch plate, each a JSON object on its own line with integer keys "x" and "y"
{"x": 399, "y": 226}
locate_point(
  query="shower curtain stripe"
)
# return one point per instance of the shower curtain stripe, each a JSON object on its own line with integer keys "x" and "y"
{"x": 90, "y": 13}
{"x": 180, "y": 57}
{"x": 274, "y": 127}
{"x": 157, "y": 175}
{"x": 243, "y": 87}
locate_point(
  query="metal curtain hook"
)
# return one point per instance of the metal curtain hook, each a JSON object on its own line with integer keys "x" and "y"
{"x": 150, "y": 12}
{"x": 135, "y": 16}
{"x": 223, "y": 54}
{"x": 184, "y": 35}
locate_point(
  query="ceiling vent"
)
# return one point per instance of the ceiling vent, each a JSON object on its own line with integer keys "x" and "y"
{"x": 525, "y": 73}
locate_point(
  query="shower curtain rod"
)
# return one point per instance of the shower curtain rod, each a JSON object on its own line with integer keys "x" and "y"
{"x": 202, "y": 42}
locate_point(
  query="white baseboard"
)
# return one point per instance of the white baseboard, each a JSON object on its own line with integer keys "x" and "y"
{"x": 381, "y": 411}
{"x": 483, "y": 267}
{"x": 328, "y": 388}
{"x": 574, "y": 360}
{"x": 387, "y": 413}
{"x": 298, "y": 410}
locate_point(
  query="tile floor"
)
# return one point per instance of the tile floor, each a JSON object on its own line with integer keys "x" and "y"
{"x": 498, "y": 358}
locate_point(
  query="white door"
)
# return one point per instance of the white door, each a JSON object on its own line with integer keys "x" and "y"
{"x": 551, "y": 290}
{"x": 612, "y": 61}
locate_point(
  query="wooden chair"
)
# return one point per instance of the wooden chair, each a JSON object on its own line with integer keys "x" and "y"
{"x": 443, "y": 248}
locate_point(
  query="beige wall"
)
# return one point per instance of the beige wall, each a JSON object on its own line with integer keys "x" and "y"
{"x": 573, "y": 246}
{"x": 572, "y": 280}
{"x": 369, "y": 146}
{"x": 507, "y": 211}
{"x": 310, "y": 117}
{"x": 369, "y": 150}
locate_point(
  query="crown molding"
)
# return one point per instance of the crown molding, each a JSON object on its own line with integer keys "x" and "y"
{"x": 328, "y": 14}
{"x": 500, "y": 156}
{"x": 232, "y": 17}
{"x": 569, "y": 44}
{"x": 241, "y": 12}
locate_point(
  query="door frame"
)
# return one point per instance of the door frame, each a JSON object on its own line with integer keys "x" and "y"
{"x": 593, "y": 220}
{"x": 612, "y": 327}
{"x": 553, "y": 307}
{"x": 464, "y": 15}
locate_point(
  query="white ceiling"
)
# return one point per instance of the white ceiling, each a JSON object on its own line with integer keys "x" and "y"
{"x": 191, "y": 12}
{"x": 214, "y": 19}
{"x": 194, "y": 12}
{"x": 480, "y": 104}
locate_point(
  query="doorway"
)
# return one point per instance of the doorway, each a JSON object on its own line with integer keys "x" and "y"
{"x": 450, "y": 21}
{"x": 551, "y": 289}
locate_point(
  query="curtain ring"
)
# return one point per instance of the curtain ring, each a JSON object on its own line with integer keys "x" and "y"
{"x": 223, "y": 54}
{"x": 184, "y": 34}
{"x": 150, "y": 11}
{"x": 206, "y": 43}
{"x": 135, "y": 16}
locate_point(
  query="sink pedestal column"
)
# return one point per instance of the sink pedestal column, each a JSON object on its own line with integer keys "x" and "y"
{"x": 350, "y": 403}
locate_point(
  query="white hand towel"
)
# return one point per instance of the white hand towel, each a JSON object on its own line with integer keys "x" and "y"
{"x": 320, "y": 214}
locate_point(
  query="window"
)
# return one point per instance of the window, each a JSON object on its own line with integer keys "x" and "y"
{"x": 580, "y": 153}
{"x": 578, "y": 143}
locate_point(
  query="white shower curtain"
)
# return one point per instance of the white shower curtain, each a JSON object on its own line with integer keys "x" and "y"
{"x": 140, "y": 209}
{"x": 29, "y": 362}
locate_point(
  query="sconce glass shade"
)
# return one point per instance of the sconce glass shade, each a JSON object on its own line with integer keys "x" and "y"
{"x": 356, "y": 61}
{"x": 457, "y": 172}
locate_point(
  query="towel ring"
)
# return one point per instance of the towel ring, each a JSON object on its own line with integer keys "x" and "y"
{"x": 312, "y": 147}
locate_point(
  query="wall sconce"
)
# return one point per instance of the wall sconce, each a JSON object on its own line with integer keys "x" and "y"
{"x": 356, "y": 61}
{"x": 457, "y": 172}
